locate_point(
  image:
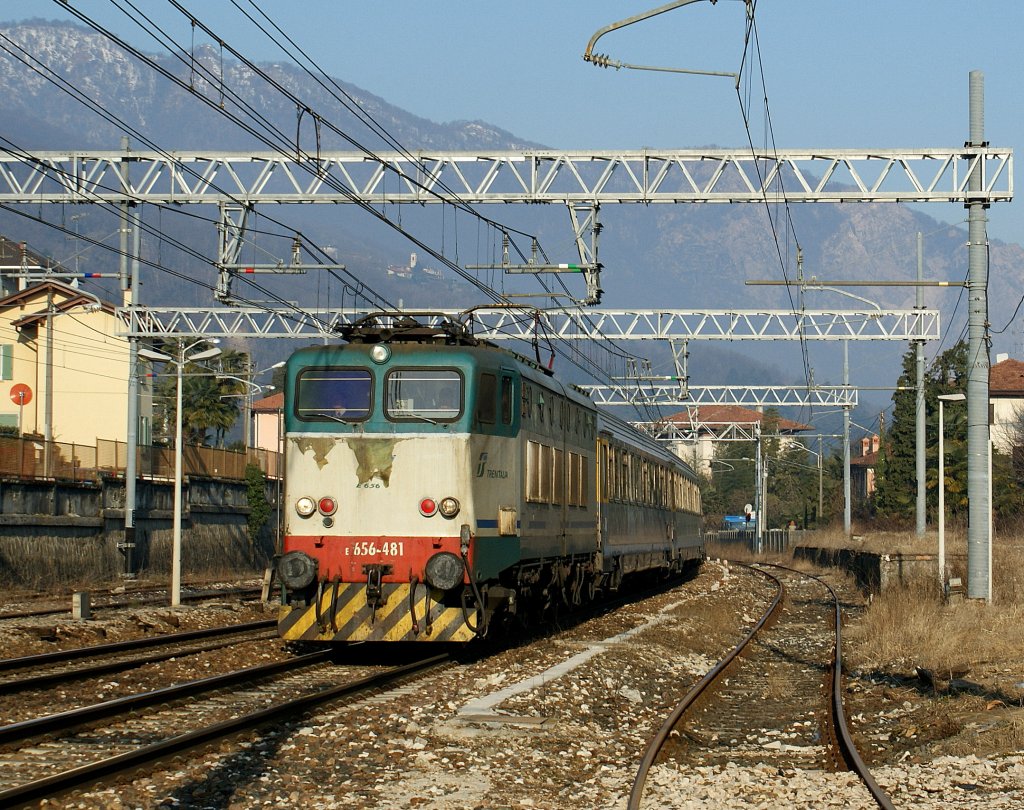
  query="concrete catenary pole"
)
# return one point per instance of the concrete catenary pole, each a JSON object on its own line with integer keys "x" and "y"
{"x": 847, "y": 518}
{"x": 129, "y": 226}
{"x": 919, "y": 442}
{"x": 978, "y": 538}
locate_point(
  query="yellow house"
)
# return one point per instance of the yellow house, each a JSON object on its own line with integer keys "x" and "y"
{"x": 63, "y": 368}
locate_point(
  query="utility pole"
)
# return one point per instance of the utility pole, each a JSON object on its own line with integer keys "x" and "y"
{"x": 821, "y": 486}
{"x": 979, "y": 541}
{"x": 758, "y": 499}
{"x": 249, "y": 384}
{"x": 48, "y": 404}
{"x": 129, "y": 286}
{"x": 919, "y": 441}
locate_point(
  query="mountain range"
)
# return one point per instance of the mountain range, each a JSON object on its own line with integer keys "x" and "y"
{"x": 662, "y": 256}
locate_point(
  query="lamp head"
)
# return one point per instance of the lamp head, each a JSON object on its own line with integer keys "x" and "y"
{"x": 153, "y": 354}
{"x": 206, "y": 354}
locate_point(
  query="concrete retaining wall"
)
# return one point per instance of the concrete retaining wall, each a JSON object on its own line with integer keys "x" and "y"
{"x": 874, "y": 572}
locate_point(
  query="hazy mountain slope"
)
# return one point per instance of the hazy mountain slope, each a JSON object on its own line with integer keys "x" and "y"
{"x": 657, "y": 256}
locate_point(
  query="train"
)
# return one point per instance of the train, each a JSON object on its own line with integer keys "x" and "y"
{"x": 441, "y": 488}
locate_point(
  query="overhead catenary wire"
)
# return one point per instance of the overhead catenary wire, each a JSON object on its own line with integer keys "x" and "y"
{"x": 227, "y": 93}
{"x": 66, "y": 86}
{"x": 751, "y": 35}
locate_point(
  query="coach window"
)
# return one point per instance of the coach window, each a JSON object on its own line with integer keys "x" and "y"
{"x": 423, "y": 394}
{"x": 333, "y": 394}
{"x": 485, "y": 399}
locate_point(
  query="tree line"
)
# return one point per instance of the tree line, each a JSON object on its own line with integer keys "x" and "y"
{"x": 793, "y": 474}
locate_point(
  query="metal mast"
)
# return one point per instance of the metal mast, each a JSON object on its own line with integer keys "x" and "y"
{"x": 979, "y": 546}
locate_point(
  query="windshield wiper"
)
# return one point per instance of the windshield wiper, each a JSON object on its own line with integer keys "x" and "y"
{"x": 419, "y": 416}
{"x": 332, "y": 417}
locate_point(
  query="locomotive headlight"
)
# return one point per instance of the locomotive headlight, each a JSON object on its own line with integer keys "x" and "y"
{"x": 444, "y": 570}
{"x": 305, "y": 506}
{"x": 380, "y": 353}
{"x": 449, "y": 507}
{"x": 297, "y": 570}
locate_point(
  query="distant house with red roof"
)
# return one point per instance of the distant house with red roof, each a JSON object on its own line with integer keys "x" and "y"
{"x": 1006, "y": 398}
{"x": 862, "y": 468}
{"x": 710, "y": 422}
{"x": 267, "y": 427}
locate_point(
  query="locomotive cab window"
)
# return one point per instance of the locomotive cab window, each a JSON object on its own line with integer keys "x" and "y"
{"x": 486, "y": 395}
{"x": 425, "y": 394}
{"x": 333, "y": 394}
{"x": 506, "y": 400}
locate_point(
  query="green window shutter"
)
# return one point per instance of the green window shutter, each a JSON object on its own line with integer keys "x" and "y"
{"x": 7, "y": 361}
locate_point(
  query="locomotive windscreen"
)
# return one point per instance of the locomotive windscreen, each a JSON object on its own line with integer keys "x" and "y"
{"x": 423, "y": 393}
{"x": 335, "y": 393}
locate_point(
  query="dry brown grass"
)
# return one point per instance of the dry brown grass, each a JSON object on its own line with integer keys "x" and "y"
{"x": 911, "y": 626}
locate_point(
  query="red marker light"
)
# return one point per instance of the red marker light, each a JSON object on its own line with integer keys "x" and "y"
{"x": 428, "y": 507}
{"x": 327, "y": 506}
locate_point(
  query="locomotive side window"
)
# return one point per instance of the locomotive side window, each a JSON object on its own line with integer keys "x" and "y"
{"x": 485, "y": 399}
{"x": 506, "y": 400}
{"x": 426, "y": 394}
{"x": 343, "y": 394}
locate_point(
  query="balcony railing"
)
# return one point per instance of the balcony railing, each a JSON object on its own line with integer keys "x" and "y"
{"x": 31, "y": 458}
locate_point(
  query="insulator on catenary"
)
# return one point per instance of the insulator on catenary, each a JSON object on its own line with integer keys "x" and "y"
{"x": 602, "y": 60}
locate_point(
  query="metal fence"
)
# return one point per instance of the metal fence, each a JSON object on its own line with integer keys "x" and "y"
{"x": 31, "y": 458}
{"x": 772, "y": 540}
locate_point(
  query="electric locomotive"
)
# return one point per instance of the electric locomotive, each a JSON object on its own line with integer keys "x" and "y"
{"x": 437, "y": 486}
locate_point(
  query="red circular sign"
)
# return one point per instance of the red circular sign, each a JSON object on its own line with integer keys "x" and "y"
{"x": 21, "y": 394}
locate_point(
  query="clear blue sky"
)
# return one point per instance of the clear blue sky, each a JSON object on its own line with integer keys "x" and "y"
{"x": 870, "y": 73}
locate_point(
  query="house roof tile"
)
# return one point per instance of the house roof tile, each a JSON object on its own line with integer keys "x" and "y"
{"x": 1006, "y": 379}
{"x": 272, "y": 404}
{"x": 733, "y": 414}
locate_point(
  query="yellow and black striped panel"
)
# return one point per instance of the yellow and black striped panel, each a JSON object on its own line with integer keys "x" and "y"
{"x": 344, "y": 615}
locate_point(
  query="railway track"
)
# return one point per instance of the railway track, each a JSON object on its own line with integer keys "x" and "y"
{"x": 774, "y": 700}
{"x": 141, "y": 731}
{"x": 158, "y": 596}
{"x": 60, "y": 666}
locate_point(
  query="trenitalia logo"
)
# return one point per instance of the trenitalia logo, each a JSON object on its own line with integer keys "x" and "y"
{"x": 481, "y": 465}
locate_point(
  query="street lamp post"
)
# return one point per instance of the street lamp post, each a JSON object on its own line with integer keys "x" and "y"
{"x": 943, "y": 398}
{"x": 253, "y": 388}
{"x": 179, "y": 362}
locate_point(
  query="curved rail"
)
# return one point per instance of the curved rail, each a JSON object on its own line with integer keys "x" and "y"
{"x": 844, "y": 741}
{"x": 843, "y": 737}
{"x": 288, "y": 710}
{"x": 654, "y": 747}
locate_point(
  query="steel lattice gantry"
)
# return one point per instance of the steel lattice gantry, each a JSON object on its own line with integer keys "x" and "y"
{"x": 532, "y": 176}
{"x": 516, "y": 323}
{"x": 669, "y": 394}
{"x": 669, "y": 430}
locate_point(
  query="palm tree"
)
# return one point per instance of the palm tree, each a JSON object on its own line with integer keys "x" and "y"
{"x": 208, "y": 402}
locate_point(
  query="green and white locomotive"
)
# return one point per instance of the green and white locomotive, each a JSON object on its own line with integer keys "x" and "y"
{"x": 437, "y": 486}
